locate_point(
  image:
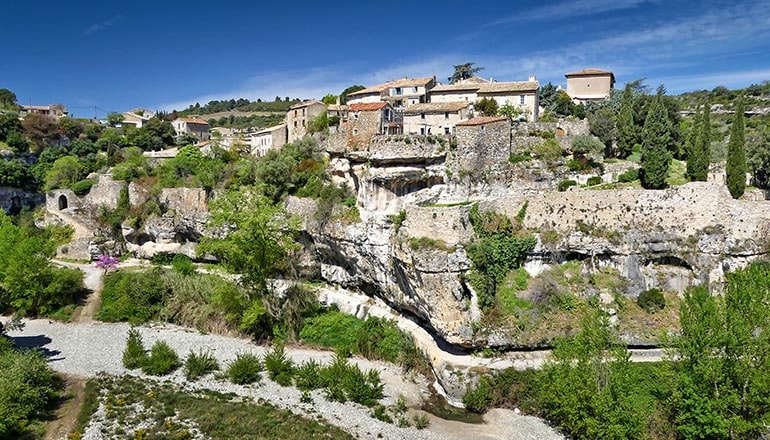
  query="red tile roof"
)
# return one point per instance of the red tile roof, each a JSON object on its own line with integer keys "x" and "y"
{"x": 367, "y": 107}
{"x": 481, "y": 121}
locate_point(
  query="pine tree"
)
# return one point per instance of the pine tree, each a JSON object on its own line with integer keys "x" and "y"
{"x": 655, "y": 138}
{"x": 702, "y": 147}
{"x": 693, "y": 155}
{"x": 736, "y": 155}
{"x": 626, "y": 126}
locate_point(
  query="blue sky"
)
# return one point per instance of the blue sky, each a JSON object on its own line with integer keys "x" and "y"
{"x": 168, "y": 54}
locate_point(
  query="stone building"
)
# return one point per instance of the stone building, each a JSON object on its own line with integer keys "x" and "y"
{"x": 55, "y": 110}
{"x": 523, "y": 95}
{"x": 399, "y": 93}
{"x": 590, "y": 85}
{"x": 481, "y": 143}
{"x": 196, "y": 127}
{"x": 371, "y": 119}
{"x": 434, "y": 117}
{"x": 267, "y": 139}
{"x": 299, "y": 117}
{"x": 463, "y": 90}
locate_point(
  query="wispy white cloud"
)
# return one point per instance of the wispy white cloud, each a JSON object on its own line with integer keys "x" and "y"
{"x": 96, "y": 27}
{"x": 730, "y": 79}
{"x": 565, "y": 9}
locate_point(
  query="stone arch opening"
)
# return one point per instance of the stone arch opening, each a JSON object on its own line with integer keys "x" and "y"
{"x": 62, "y": 202}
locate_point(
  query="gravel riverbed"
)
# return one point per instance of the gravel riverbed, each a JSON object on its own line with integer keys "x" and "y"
{"x": 86, "y": 349}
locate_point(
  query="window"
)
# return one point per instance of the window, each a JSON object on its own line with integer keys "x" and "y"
{"x": 303, "y": 122}
{"x": 422, "y": 116}
{"x": 355, "y": 116}
{"x": 422, "y": 131}
{"x": 415, "y": 90}
{"x": 398, "y": 90}
{"x": 295, "y": 113}
{"x": 446, "y": 115}
{"x": 295, "y": 124}
{"x": 303, "y": 112}
{"x": 521, "y": 99}
{"x": 446, "y": 130}
{"x": 355, "y": 131}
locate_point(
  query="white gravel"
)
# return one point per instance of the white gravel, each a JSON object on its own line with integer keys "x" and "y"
{"x": 89, "y": 348}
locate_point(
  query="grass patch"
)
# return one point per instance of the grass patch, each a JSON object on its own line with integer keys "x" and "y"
{"x": 635, "y": 157}
{"x": 171, "y": 412}
{"x": 245, "y": 369}
{"x": 418, "y": 243}
{"x": 677, "y": 173}
{"x": 507, "y": 297}
{"x": 198, "y": 364}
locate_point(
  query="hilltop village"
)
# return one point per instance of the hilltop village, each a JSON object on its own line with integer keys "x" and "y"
{"x": 414, "y": 259}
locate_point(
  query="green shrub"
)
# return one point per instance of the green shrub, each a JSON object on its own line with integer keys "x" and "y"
{"x": 279, "y": 367}
{"x": 82, "y": 187}
{"x": 651, "y": 300}
{"x": 161, "y": 361}
{"x": 332, "y": 329}
{"x": 398, "y": 220}
{"x": 198, "y": 364}
{"x": 549, "y": 150}
{"x": 421, "y": 421}
{"x": 629, "y": 176}
{"x": 520, "y": 157}
{"x": 343, "y": 381}
{"x": 564, "y": 184}
{"x": 246, "y": 368}
{"x": 380, "y": 412}
{"x": 594, "y": 180}
{"x": 479, "y": 398}
{"x": 135, "y": 297}
{"x": 307, "y": 376}
{"x": 134, "y": 355}
{"x": 183, "y": 265}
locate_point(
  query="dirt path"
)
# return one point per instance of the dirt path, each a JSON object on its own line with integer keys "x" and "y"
{"x": 93, "y": 278}
{"x": 66, "y": 416}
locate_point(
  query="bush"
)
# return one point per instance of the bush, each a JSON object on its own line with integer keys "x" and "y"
{"x": 307, "y": 376}
{"x": 550, "y": 150}
{"x": 520, "y": 157}
{"x": 564, "y": 184}
{"x": 132, "y": 296}
{"x": 343, "y": 382}
{"x": 479, "y": 398}
{"x": 279, "y": 367}
{"x": 161, "y": 361}
{"x": 651, "y": 300}
{"x": 82, "y": 187}
{"x": 245, "y": 369}
{"x": 629, "y": 176}
{"x": 134, "y": 354}
{"x": 198, "y": 364}
{"x": 594, "y": 180}
{"x": 421, "y": 421}
{"x": 183, "y": 264}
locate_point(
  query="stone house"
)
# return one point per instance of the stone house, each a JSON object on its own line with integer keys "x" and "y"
{"x": 523, "y": 95}
{"x": 267, "y": 139}
{"x": 399, "y": 93}
{"x": 366, "y": 120}
{"x": 589, "y": 85}
{"x": 482, "y": 142}
{"x": 55, "y": 110}
{"x": 299, "y": 116}
{"x": 196, "y": 127}
{"x": 434, "y": 117}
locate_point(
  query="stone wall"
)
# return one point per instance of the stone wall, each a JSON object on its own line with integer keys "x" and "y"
{"x": 402, "y": 150}
{"x": 480, "y": 146}
{"x": 448, "y": 224}
{"x": 185, "y": 200}
{"x": 563, "y": 127}
{"x": 54, "y": 201}
{"x": 364, "y": 128}
{"x": 105, "y": 192}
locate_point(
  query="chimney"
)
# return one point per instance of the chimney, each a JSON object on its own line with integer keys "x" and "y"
{"x": 532, "y": 78}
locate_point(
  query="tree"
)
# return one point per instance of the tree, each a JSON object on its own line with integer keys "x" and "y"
{"x": 9, "y": 123}
{"x": 349, "y": 90}
{"x": 722, "y": 384}
{"x": 655, "y": 137}
{"x": 513, "y": 112}
{"x": 548, "y": 95}
{"x": 603, "y": 126}
{"x": 114, "y": 119}
{"x": 736, "y": 154}
{"x": 693, "y": 130}
{"x": 41, "y": 130}
{"x": 330, "y": 99}
{"x": 64, "y": 172}
{"x": 8, "y": 100}
{"x": 160, "y": 128}
{"x": 627, "y": 134}
{"x": 758, "y": 155}
{"x": 464, "y": 71}
{"x": 486, "y": 106}
{"x": 699, "y": 155}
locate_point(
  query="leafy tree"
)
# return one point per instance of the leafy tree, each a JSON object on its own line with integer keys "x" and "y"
{"x": 464, "y": 71}
{"x": 699, "y": 156}
{"x": 722, "y": 385}
{"x": 16, "y": 141}
{"x": 9, "y": 124}
{"x": 15, "y": 173}
{"x": 603, "y": 126}
{"x": 114, "y": 119}
{"x": 758, "y": 155}
{"x": 329, "y": 99}
{"x": 161, "y": 129}
{"x": 41, "y": 130}
{"x": 347, "y": 91}
{"x": 512, "y": 112}
{"x": 655, "y": 137}
{"x": 8, "y": 100}
{"x": 736, "y": 154}
{"x": 64, "y": 172}
{"x": 70, "y": 128}
{"x": 626, "y": 129}
{"x": 548, "y": 95}
{"x": 586, "y": 145}
{"x": 486, "y": 106}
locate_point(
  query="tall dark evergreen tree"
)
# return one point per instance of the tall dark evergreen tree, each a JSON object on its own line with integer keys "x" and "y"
{"x": 701, "y": 151}
{"x": 692, "y": 136}
{"x": 736, "y": 154}
{"x": 627, "y": 137}
{"x": 655, "y": 139}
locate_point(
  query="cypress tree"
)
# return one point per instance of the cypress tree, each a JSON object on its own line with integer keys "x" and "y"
{"x": 736, "y": 155}
{"x": 626, "y": 126}
{"x": 655, "y": 138}
{"x": 692, "y": 135}
{"x": 702, "y": 146}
